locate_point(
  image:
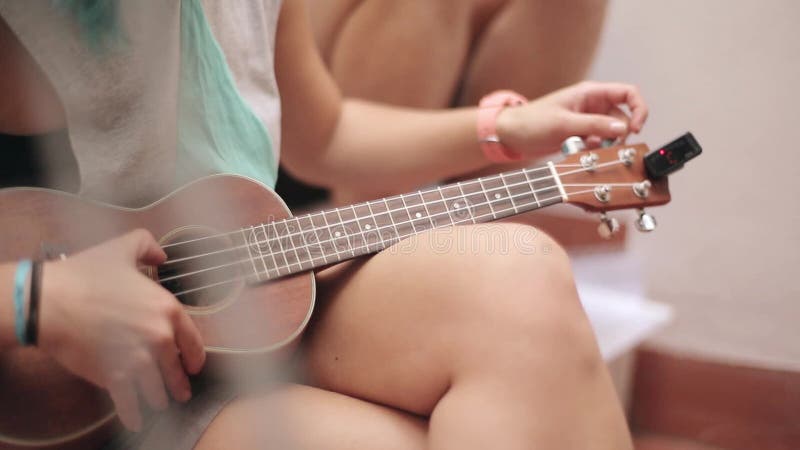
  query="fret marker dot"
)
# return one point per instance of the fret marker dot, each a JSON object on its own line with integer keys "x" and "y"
{"x": 497, "y": 196}
{"x": 337, "y": 234}
{"x": 418, "y": 215}
{"x": 456, "y": 205}
{"x": 367, "y": 226}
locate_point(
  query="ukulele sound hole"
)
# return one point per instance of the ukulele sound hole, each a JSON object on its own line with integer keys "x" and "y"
{"x": 203, "y": 267}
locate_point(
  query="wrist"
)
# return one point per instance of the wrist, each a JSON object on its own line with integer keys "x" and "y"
{"x": 493, "y": 124}
{"x": 56, "y": 291}
{"x": 506, "y": 126}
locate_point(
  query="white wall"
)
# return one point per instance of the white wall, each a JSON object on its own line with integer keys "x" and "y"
{"x": 727, "y": 251}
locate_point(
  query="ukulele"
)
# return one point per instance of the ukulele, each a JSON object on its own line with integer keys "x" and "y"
{"x": 242, "y": 265}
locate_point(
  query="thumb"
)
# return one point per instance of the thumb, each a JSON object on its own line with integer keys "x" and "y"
{"x": 146, "y": 249}
{"x": 597, "y": 125}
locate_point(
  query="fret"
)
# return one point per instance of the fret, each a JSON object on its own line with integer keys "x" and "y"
{"x": 343, "y": 229}
{"x": 486, "y": 196}
{"x": 276, "y": 239}
{"x": 479, "y": 207}
{"x": 385, "y": 221}
{"x": 366, "y": 226}
{"x": 437, "y": 208}
{"x": 250, "y": 254}
{"x": 271, "y": 244}
{"x": 408, "y": 213}
{"x": 431, "y": 217}
{"x": 546, "y": 186}
{"x": 322, "y": 231}
{"x": 310, "y": 239}
{"x": 498, "y": 196}
{"x": 520, "y": 191}
{"x": 533, "y": 188}
{"x": 445, "y": 207}
{"x": 286, "y": 245}
{"x": 260, "y": 242}
{"x": 464, "y": 208}
{"x": 296, "y": 235}
{"x": 355, "y": 223}
{"x": 398, "y": 214}
{"x": 376, "y": 223}
{"x": 417, "y": 212}
{"x": 510, "y": 197}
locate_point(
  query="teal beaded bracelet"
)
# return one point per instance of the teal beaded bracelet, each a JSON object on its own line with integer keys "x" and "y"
{"x": 20, "y": 285}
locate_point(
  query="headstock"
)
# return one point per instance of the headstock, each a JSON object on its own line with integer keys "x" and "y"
{"x": 623, "y": 177}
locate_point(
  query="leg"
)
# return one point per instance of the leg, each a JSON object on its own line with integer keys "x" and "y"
{"x": 480, "y": 329}
{"x": 403, "y": 53}
{"x": 416, "y": 53}
{"x": 534, "y": 47}
{"x": 295, "y": 417}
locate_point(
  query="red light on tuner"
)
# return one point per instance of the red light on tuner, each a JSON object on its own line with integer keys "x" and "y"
{"x": 661, "y": 152}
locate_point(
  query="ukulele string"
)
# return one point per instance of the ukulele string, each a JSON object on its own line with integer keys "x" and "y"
{"x": 365, "y": 246}
{"x": 334, "y": 238}
{"x": 465, "y": 183}
{"x": 267, "y": 240}
{"x": 306, "y": 246}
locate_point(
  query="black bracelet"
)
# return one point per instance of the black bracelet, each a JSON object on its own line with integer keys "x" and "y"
{"x": 32, "y": 325}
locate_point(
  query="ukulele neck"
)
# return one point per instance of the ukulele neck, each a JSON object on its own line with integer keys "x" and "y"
{"x": 319, "y": 239}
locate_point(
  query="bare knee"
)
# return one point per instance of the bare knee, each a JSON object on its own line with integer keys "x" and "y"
{"x": 523, "y": 302}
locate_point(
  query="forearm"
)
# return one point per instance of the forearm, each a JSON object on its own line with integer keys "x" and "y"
{"x": 373, "y": 148}
{"x": 381, "y": 149}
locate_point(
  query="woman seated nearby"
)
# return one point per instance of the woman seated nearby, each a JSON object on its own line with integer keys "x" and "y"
{"x": 452, "y": 53}
{"x": 432, "y": 348}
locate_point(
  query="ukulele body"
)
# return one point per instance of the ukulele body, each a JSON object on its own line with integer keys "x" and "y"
{"x": 244, "y": 325}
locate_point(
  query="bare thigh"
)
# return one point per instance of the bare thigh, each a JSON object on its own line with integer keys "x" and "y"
{"x": 399, "y": 327}
{"x": 476, "y": 329}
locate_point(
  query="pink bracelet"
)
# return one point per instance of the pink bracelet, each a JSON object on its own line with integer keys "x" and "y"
{"x": 488, "y": 110}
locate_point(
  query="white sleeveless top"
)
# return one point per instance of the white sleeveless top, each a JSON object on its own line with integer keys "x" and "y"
{"x": 122, "y": 107}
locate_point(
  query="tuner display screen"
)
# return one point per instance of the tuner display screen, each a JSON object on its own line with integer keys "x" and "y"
{"x": 672, "y": 156}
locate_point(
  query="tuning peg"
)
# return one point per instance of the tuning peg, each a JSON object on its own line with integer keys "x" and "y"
{"x": 573, "y": 144}
{"x": 608, "y": 226}
{"x": 645, "y": 222}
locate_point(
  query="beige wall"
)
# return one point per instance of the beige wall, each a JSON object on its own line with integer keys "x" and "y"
{"x": 727, "y": 251}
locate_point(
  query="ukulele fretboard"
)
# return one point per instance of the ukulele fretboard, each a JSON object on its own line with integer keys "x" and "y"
{"x": 309, "y": 241}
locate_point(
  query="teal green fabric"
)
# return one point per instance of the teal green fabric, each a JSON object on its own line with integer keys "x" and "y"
{"x": 217, "y": 130}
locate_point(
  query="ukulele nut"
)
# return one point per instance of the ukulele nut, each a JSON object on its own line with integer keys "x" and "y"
{"x": 603, "y": 193}
{"x": 642, "y": 190}
{"x": 589, "y": 161}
